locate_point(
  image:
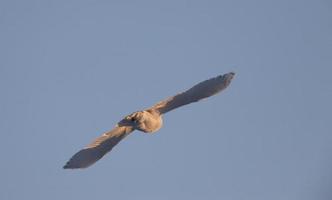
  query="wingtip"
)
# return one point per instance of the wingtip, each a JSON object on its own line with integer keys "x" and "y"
{"x": 72, "y": 164}
{"x": 227, "y": 75}
{"x": 230, "y": 75}
{"x": 70, "y": 167}
{"x": 66, "y": 166}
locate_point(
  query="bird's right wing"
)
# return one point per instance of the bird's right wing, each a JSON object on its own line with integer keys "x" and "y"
{"x": 200, "y": 91}
{"x": 97, "y": 149}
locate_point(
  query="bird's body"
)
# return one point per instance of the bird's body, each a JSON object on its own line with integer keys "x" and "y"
{"x": 148, "y": 121}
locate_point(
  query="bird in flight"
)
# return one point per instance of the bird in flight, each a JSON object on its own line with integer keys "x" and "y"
{"x": 148, "y": 120}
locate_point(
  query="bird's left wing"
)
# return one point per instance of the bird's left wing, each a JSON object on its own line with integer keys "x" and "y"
{"x": 97, "y": 149}
{"x": 199, "y": 91}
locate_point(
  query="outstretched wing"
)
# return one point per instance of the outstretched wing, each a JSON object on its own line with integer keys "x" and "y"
{"x": 97, "y": 149}
{"x": 200, "y": 91}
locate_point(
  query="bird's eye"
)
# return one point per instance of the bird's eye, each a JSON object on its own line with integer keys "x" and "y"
{"x": 133, "y": 119}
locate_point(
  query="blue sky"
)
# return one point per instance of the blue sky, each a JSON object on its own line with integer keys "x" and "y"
{"x": 69, "y": 70}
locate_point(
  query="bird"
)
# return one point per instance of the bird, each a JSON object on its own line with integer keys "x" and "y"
{"x": 148, "y": 120}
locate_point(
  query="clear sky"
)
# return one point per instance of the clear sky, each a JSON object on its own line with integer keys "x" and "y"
{"x": 69, "y": 70}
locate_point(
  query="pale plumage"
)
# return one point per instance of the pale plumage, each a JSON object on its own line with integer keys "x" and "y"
{"x": 148, "y": 121}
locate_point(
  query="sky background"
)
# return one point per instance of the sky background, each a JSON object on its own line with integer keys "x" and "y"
{"x": 69, "y": 70}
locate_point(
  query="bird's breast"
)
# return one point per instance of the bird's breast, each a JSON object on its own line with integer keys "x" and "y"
{"x": 150, "y": 122}
{"x": 153, "y": 125}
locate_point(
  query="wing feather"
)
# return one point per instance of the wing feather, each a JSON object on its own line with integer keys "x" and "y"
{"x": 200, "y": 91}
{"x": 98, "y": 148}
